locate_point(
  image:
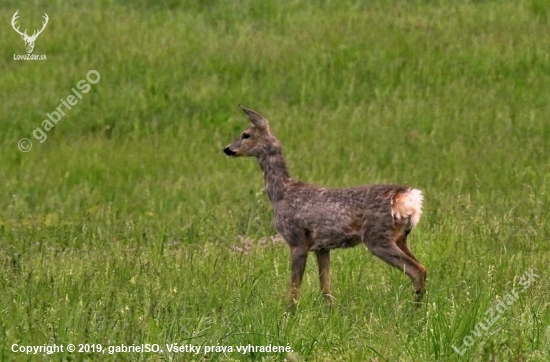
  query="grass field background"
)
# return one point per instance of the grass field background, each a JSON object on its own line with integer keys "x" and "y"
{"x": 129, "y": 226}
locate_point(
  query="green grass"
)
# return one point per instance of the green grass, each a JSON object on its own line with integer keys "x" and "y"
{"x": 121, "y": 227}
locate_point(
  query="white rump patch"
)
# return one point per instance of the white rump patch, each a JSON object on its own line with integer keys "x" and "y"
{"x": 408, "y": 205}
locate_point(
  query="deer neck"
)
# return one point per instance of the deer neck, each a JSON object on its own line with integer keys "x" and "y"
{"x": 276, "y": 175}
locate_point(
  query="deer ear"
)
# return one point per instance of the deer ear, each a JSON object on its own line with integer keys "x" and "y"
{"x": 257, "y": 119}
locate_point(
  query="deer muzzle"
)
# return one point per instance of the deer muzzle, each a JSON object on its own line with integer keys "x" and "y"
{"x": 229, "y": 152}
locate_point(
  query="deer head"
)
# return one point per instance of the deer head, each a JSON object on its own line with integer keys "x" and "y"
{"x": 253, "y": 139}
{"x": 29, "y": 40}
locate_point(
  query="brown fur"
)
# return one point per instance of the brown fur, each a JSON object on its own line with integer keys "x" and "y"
{"x": 313, "y": 218}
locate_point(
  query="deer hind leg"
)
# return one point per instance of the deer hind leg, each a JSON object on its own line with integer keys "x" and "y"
{"x": 323, "y": 262}
{"x": 401, "y": 242}
{"x": 383, "y": 242}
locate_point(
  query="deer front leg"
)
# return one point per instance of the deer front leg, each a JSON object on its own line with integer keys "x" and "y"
{"x": 298, "y": 256}
{"x": 323, "y": 262}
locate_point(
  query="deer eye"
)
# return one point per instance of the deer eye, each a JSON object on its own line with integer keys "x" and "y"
{"x": 246, "y": 135}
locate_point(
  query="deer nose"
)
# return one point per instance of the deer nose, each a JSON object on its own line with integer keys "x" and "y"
{"x": 229, "y": 152}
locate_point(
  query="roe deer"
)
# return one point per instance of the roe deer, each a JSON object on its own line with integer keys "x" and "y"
{"x": 313, "y": 218}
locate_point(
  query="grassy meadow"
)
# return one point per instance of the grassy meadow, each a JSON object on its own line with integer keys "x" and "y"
{"x": 128, "y": 225}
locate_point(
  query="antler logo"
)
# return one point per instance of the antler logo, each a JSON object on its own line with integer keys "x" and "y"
{"x": 29, "y": 40}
